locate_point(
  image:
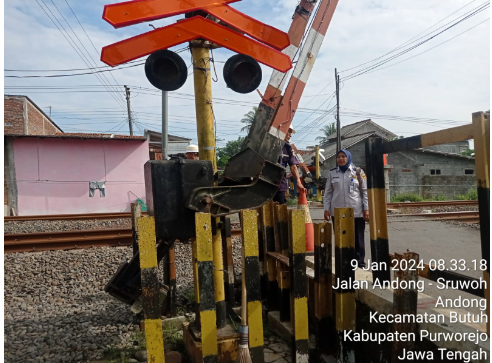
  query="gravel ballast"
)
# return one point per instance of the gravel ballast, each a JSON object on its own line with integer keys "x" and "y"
{"x": 15, "y": 227}
{"x": 56, "y": 309}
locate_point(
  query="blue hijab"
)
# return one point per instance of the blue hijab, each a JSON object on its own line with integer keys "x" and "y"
{"x": 349, "y": 160}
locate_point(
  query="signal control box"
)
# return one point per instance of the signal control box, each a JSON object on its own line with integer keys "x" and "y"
{"x": 168, "y": 184}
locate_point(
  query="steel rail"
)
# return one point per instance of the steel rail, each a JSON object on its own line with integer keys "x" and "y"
{"x": 66, "y": 240}
{"x": 53, "y": 217}
{"x": 118, "y": 215}
{"x": 445, "y": 203}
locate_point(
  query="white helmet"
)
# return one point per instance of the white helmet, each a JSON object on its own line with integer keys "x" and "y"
{"x": 192, "y": 149}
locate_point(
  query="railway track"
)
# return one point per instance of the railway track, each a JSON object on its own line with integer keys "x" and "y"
{"x": 464, "y": 216}
{"x": 446, "y": 203}
{"x": 46, "y": 241}
{"x": 57, "y": 217}
{"x": 106, "y": 216}
{"x": 67, "y": 240}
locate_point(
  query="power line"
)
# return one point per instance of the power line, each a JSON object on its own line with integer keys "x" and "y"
{"x": 53, "y": 18}
{"x": 378, "y": 64}
{"x": 425, "y": 51}
{"x": 405, "y": 43}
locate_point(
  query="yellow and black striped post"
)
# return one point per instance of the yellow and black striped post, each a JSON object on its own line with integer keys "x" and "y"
{"x": 481, "y": 138}
{"x": 282, "y": 270}
{"x": 378, "y": 219}
{"x": 228, "y": 260}
{"x": 150, "y": 289}
{"x": 253, "y": 285}
{"x": 405, "y": 304}
{"x": 206, "y": 291}
{"x": 344, "y": 275}
{"x": 299, "y": 283}
{"x": 323, "y": 293}
{"x": 220, "y": 304}
{"x": 269, "y": 270}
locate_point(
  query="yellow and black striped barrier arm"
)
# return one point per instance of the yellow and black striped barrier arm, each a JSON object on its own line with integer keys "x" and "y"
{"x": 253, "y": 284}
{"x": 299, "y": 283}
{"x": 150, "y": 289}
{"x": 323, "y": 293}
{"x": 220, "y": 304}
{"x": 228, "y": 260}
{"x": 283, "y": 280}
{"x": 378, "y": 219}
{"x": 481, "y": 138}
{"x": 344, "y": 275}
{"x": 206, "y": 291}
{"x": 269, "y": 269}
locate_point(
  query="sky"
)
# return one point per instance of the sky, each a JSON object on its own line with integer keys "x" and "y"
{"x": 437, "y": 89}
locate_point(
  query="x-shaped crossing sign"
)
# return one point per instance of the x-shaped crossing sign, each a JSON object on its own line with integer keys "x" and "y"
{"x": 137, "y": 11}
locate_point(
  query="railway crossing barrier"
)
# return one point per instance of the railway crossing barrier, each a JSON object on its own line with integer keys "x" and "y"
{"x": 274, "y": 238}
{"x": 479, "y": 131}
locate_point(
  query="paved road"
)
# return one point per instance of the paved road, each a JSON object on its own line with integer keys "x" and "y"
{"x": 431, "y": 240}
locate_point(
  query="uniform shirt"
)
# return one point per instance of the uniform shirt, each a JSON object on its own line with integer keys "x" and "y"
{"x": 286, "y": 159}
{"x": 342, "y": 191}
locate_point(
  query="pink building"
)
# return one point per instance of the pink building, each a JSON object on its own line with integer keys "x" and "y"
{"x": 74, "y": 173}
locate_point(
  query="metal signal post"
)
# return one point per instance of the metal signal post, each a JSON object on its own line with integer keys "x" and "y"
{"x": 339, "y": 136}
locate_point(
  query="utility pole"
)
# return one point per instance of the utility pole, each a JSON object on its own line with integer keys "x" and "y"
{"x": 127, "y": 90}
{"x": 50, "y": 110}
{"x": 164, "y": 126}
{"x": 318, "y": 174}
{"x": 206, "y": 148}
{"x": 339, "y": 136}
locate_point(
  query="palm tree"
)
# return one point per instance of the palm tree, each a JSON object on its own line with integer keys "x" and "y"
{"x": 248, "y": 119}
{"x": 327, "y": 131}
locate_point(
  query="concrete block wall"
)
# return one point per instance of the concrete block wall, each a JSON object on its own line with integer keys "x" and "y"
{"x": 22, "y": 117}
{"x": 37, "y": 123}
{"x": 14, "y": 116}
{"x": 411, "y": 173}
{"x": 453, "y": 147}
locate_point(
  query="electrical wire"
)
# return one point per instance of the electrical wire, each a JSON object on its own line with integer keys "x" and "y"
{"x": 380, "y": 63}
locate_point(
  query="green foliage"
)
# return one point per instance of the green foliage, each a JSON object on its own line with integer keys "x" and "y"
{"x": 468, "y": 152}
{"x": 173, "y": 336}
{"x": 226, "y": 152}
{"x": 327, "y": 131}
{"x": 123, "y": 355}
{"x": 248, "y": 120}
{"x": 403, "y": 197}
{"x": 292, "y": 201}
{"x": 437, "y": 198}
{"x": 472, "y": 194}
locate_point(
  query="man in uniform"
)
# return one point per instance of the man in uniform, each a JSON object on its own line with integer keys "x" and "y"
{"x": 192, "y": 152}
{"x": 288, "y": 158}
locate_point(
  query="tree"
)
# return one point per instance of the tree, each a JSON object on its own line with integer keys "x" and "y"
{"x": 225, "y": 153}
{"x": 248, "y": 119}
{"x": 468, "y": 152}
{"x": 327, "y": 131}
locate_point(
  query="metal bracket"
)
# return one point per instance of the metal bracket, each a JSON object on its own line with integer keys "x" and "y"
{"x": 248, "y": 182}
{"x": 93, "y": 185}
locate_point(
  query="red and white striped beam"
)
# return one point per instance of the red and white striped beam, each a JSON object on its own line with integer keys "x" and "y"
{"x": 276, "y": 84}
{"x": 302, "y": 70}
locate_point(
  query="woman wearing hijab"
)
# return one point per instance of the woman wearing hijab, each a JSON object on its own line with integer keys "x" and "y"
{"x": 346, "y": 187}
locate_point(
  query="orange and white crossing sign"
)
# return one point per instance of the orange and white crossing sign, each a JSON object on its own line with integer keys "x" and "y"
{"x": 265, "y": 49}
{"x": 187, "y": 30}
{"x": 134, "y": 12}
